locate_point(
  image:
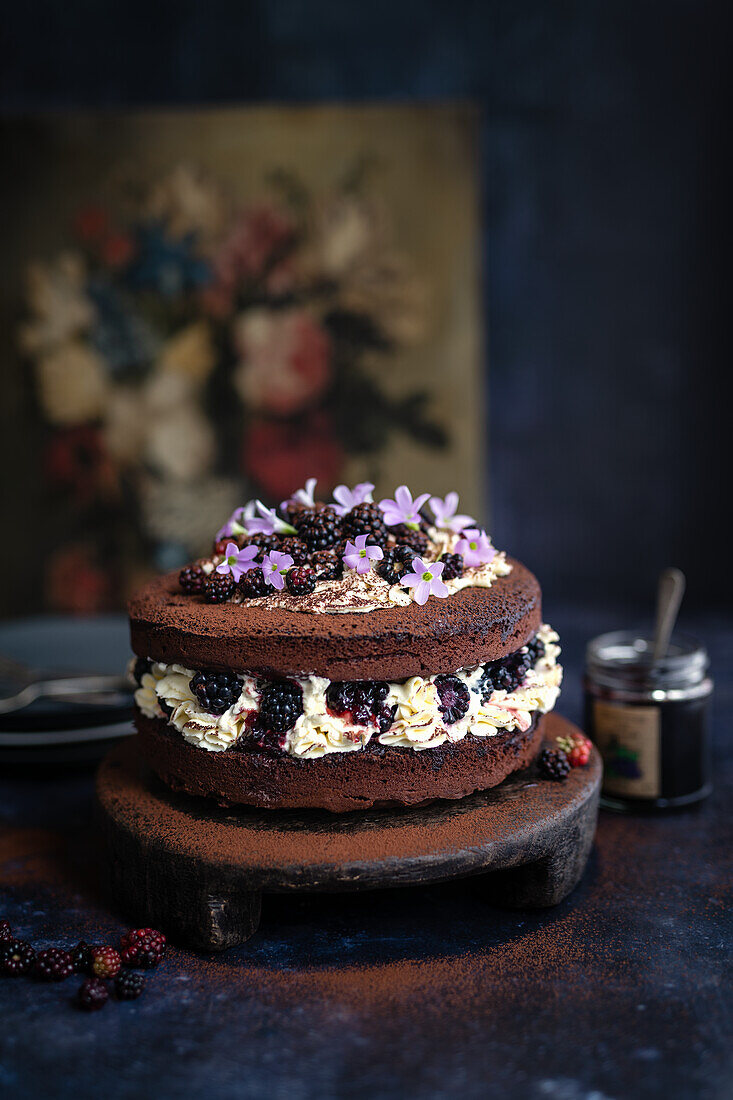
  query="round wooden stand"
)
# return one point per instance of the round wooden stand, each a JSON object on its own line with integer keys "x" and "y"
{"x": 198, "y": 871}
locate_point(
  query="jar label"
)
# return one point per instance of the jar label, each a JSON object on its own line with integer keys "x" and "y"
{"x": 628, "y": 739}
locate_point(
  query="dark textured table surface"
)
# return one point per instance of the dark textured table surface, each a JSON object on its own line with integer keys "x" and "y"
{"x": 622, "y": 991}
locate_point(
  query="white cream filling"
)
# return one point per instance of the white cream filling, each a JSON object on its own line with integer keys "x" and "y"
{"x": 418, "y": 722}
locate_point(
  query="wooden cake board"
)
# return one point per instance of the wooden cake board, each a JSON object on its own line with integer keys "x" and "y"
{"x": 198, "y": 871}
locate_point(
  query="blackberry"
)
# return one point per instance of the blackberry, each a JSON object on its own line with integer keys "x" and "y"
{"x": 54, "y": 965}
{"x": 16, "y": 957}
{"x": 216, "y": 691}
{"x": 385, "y": 718}
{"x": 327, "y": 565}
{"x": 390, "y": 568}
{"x": 192, "y": 579}
{"x": 416, "y": 540}
{"x": 536, "y": 650}
{"x": 142, "y": 947}
{"x": 106, "y": 961}
{"x": 300, "y": 580}
{"x": 252, "y": 584}
{"x": 218, "y": 587}
{"x": 365, "y": 519}
{"x": 296, "y": 548}
{"x": 93, "y": 994}
{"x": 363, "y": 700}
{"x": 281, "y": 705}
{"x": 266, "y": 543}
{"x": 142, "y": 665}
{"x": 81, "y": 957}
{"x": 452, "y": 566}
{"x": 455, "y": 698}
{"x": 263, "y": 738}
{"x": 6, "y": 932}
{"x": 553, "y": 764}
{"x": 506, "y": 674}
{"x": 318, "y": 529}
{"x": 129, "y": 985}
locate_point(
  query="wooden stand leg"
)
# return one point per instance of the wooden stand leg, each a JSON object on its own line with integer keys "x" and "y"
{"x": 212, "y": 920}
{"x": 546, "y": 881}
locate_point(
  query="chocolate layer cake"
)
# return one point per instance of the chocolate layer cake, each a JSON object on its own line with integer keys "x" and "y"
{"x": 343, "y": 656}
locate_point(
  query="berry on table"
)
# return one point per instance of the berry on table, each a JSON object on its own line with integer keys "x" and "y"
{"x": 6, "y": 932}
{"x": 218, "y": 587}
{"x": 252, "y": 584}
{"x": 106, "y": 961}
{"x": 81, "y": 957}
{"x": 455, "y": 698}
{"x": 191, "y": 579}
{"x": 281, "y": 705}
{"x": 54, "y": 965}
{"x": 16, "y": 957}
{"x": 93, "y": 994}
{"x": 301, "y": 580}
{"x": 553, "y": 764}
{"x": 452, "y": 567}
{"x": 216, "y": 691}
{"x": 143, "y": 947}
{"x": 129, "y": 985}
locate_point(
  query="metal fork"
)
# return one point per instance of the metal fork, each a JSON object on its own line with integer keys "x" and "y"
{"x": 88, "y": 690}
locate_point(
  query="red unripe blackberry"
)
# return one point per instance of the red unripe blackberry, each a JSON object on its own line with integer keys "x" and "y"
{"x": 142, "y": 947}
{"x": 6, "y": 932}
{"x": 252, "y": 584}
{"x": 191, "y": 579}
{"x": 577, "y": 749}
{"x": 93, "y": 994}
{"x": 218, "y": 587}
{"x": 553, "y": 765}
{"x": 16, "y": 957}
{"x": 106, "y": 962}
{"x": 129, "y": 985}
{"x": 300, "y": 580}
{"x": 54, "y": 965}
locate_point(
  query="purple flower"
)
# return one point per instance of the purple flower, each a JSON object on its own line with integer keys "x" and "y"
{"x": 346, "y": 498}
{"x": 403, "y": 509}
{"x": 237, "y": 561}
{"x": 237, "y": 522}
{"x": 359, "y": 556}
{"x": 303, "y": 496}
{"x": 425, "y": 580}
{"x": 445, "y": 513}
{"x": 476, "y": 548}
{"x": 269, "y": 522}
{"x": 275, "y": 565}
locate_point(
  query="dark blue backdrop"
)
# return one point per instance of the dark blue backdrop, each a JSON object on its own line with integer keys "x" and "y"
{"x": 604, "y": 206}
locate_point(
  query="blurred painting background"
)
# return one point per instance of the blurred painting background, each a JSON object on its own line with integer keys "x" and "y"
{"x": 595, "y": 137}
{"x": 209, "y": 306}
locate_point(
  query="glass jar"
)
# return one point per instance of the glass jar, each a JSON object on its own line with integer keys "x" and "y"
{"x": 649, "y": 720}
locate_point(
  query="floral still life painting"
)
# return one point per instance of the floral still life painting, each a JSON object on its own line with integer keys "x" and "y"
{"x": 188, "y": 342}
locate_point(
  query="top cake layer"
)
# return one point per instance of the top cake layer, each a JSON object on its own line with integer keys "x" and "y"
{"x": 473, "y": 625}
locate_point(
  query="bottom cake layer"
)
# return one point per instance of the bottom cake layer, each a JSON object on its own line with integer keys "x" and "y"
{"x": 380, "y": 776}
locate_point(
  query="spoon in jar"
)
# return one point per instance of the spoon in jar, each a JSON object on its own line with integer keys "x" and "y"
{"x": 669, "y": 597}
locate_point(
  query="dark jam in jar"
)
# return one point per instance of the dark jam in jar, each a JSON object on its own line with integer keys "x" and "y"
{"x": 649, "y": 720}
